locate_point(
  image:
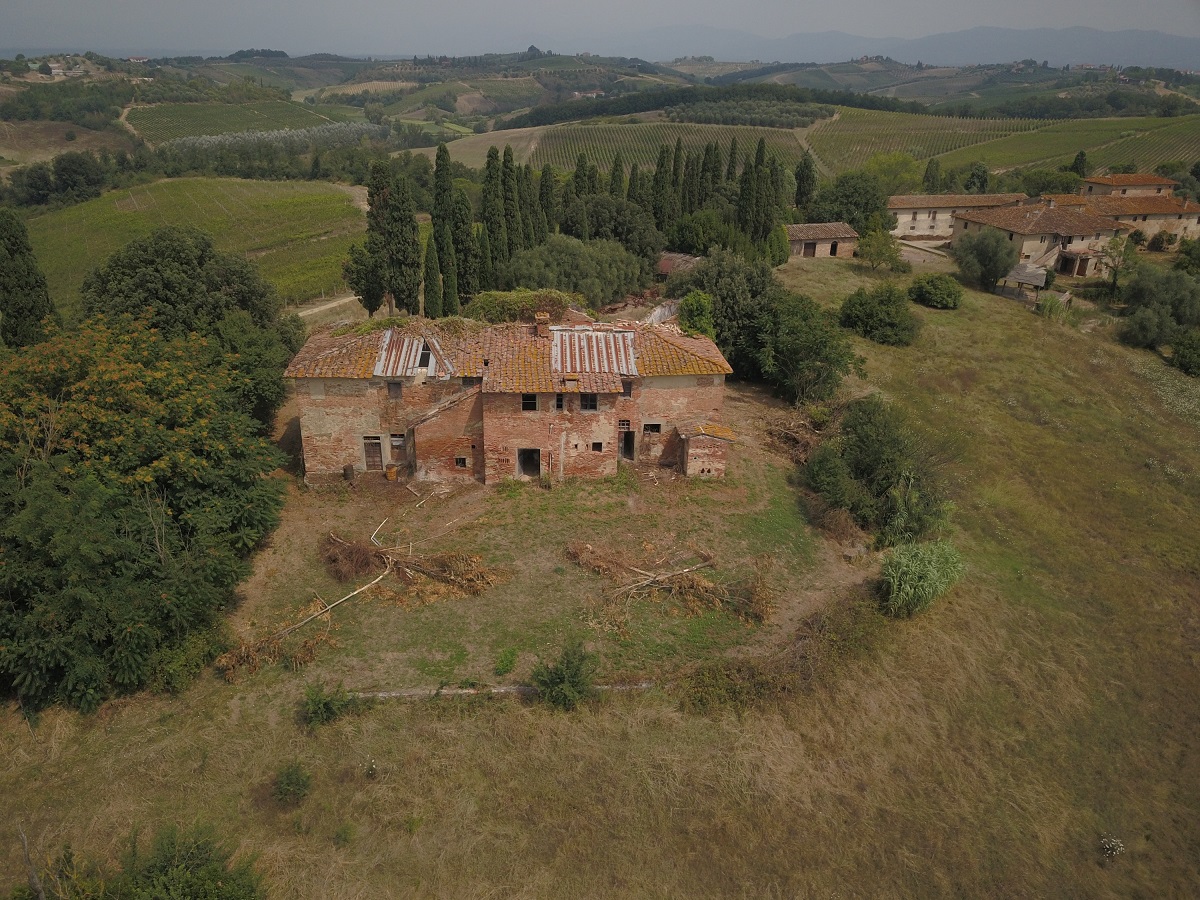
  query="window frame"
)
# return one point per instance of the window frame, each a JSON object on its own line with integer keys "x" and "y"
{"x": 525, "y": 402}
{"x": 589, "y": 402}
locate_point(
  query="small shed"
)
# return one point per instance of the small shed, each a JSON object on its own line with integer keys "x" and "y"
{"x": 704, "y": 447}
{"x": 822, "y": 239}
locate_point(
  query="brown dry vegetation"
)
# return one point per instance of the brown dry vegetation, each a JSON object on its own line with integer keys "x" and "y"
{"x": 978, "y": 750}
{"x": 30, "y": 142}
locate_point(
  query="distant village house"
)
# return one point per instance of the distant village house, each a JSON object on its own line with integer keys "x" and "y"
{"x": 1068, "y": 240}
{"x": 930, "y": 217}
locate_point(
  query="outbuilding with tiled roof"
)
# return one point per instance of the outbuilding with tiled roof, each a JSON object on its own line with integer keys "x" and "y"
{"x": 822, "y": 239}
{"x": 930, "y": 217}
{"x": 1127, "y": 184}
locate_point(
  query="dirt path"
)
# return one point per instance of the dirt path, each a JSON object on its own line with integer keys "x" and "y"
{"x": 328, "y": 305}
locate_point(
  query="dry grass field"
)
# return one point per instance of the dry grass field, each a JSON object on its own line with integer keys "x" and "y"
{"x": 979, "y": 750}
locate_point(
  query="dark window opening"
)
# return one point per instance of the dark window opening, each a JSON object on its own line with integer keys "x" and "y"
{"x": 558, "y": 401}
{"x": 471, "y": 381}
{"x": 626, "y": 388}
{"x": 622, "y": 424}
{"x": 529, "y": 462}
{"x": 529, "y": 402}
{"x": 588, "y": 401}
{"x": 423, "y": 361}
{"x": 398, "y": 454}
{"x": 597, "y": 446}
{"x": 395, "y": 390}
{"x": 627, "y": 445}
{"x": 373, "y": 451}
{"x": 652, "y": 428}
{"x": 460, "y": 462}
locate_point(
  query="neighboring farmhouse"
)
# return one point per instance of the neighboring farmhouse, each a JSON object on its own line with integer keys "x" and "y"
{"x": 459, "y": 400}
{"x": 1149, "y": 212}
{"x": 1069, "y": 240}
{"x": 1127, "y": 185}
{"x": 822, "y": 239}
{"x": 930, "y": 217}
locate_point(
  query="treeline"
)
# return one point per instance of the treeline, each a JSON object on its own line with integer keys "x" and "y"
{"x": 1117, "y": 102}
{"x": 134, "y": 467}
{"x": 97, "y": 104}
{"x": 766, "y": 113}
{"x": 644, "y": 101}
{"x": 338, "y": 152}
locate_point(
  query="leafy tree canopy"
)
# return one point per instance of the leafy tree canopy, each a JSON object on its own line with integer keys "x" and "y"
{"x": 131, "y": 488}
{"x": 603, "y": 271}
{"x": 856, "y": 198}
{"x": 24, "y": 300}
{"x": 984, "y": 257}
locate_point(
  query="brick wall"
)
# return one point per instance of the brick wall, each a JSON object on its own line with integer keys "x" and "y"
{"x": 454, "y": 434}
{"x": 845, "y": 248}
{"x": 669, "y": 401}
{"x": 563, "y": 438}
{"x": 704, "y": 457}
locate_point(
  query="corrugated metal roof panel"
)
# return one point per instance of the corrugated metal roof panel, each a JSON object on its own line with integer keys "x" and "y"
{"x": 401, "y": 357}
{"x": 592, "y": 351}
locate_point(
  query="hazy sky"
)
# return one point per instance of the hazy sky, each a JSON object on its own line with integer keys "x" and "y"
{"x": 380, "y": 27}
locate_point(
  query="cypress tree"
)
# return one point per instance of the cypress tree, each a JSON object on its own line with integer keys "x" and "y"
{"x": 547, "y": 203}
{"x": 580, "y": 178}
{"x": 660, "y": 194}
{"x": 404, "y": 242}
{"x": 806, "y": 180}
{"x": 528, "y": 201}
{"x": 493, "y": 208}
{"x": 690, "y": 194}
{"x": 432, "y": 301}
{"x": 24, "y": 299}
{"x": 932, "y": 182}
{"x": 731, "y": 171}
{"x": 487, "y": 271}
{"x": 450, "y": 304}
{"x": 442, "y": 213}
{"x": 710, "y": 172}
{"x": 677, "y": 166}
{"x": 389, "y": 263}
{"x": 593, "y": 179}
{"x": 465, "y": 248}
{"x": 512, "y": 204}
{"x": 633, "y": 193}
{"x": 616, "y": 176}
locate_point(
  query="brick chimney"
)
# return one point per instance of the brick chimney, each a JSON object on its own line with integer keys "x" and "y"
{"x": 542, "y": 321}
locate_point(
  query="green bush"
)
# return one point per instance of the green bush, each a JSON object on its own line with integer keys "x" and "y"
{"x": 1186, "y": 352}
{"x": 696, "y": 314}
{"x": 879, "y": 471}
{"x": 506, "y": 661}
{"x": 567, "y": 682}
{"x": 914, "y": 575}
{"x": 521, "y": 305}
{"x": 292, "y": 784}
{"x": 1161, "y": 241}
{"x": 984, "y": 257}
{"x": 1053, "y": 308}
{"x": 882, "y": 315}
{"x": 936, "y": 290}
{"x": 321, "y": 706}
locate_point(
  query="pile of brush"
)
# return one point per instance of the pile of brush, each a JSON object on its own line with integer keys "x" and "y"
{"x": 348, "y": 560}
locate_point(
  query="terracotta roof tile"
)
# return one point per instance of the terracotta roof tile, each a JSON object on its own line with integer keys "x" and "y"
{"x": 953, "y": 201}
{"x": 1041, "y": 219}
{"x": 511, "y": 358}
{"x": 821, "y": 231}
{"x": 1132, "y": 179}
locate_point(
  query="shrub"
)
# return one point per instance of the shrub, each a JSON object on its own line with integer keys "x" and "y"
{"x": 914, "y": 575}
{"x": 882, "y": 315}
{"x": 1163, "y": 240}
{"x": 1186, "y": 352}
{"x": 804, "y": 354}
{"x": 696, "y": 314}
{"x": 881, "y": 472}
{"x": 1053, "y": 308}
{"x": 567, "y": 682}
{"x": 521, "y": 305}
{"x": 936, "y": 290}
{"x": 292, "y": 784}
{"x": 321, "y": 706}
{"x": 506, "y": 661}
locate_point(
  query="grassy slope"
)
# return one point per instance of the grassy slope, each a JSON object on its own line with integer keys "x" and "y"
{"x": 980, "y": 752}
{"x": 297, "y": 232}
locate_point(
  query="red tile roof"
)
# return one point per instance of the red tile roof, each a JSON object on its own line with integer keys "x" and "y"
{"x": 1041, "y": 219}
{"x": 821, "y": 231}
{"x": 511, "y": 358}
{"x": 953, "y": 201}
{"x": 1134, "y": 179}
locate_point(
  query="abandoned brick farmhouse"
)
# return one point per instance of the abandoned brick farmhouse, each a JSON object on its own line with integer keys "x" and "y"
{"x": 459, "y": 400}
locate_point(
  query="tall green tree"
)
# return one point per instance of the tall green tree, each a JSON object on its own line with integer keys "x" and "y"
{"x": 978, "y": 179}
{"x": 514, "y": 231}
{"x": 493, "y": 208}
{"x": 24, "y": 300}
{"x": 548, "y": 198}
{"x": 431, "y": 306}
{"x": 932, "y": 180}
{"x": 855, "y": 198}
{"x": 450, "y": 301}
{"x": 390, "y": 259}
{"x": 635, "y": 193}
{"x": 465, "y": 246}
{"x": 731, "y": 168}
{"x": 189, "y": 287}
{"x": 487, "y": 267}
{"x": 806, "y": 180}
{"x": 616, "y": 176}
{"x": 529, "y": 205}
{"x": 662, "y": 193}
{"x": 442, "y": 213}
{"x": 984, "y": 257}
{"x": 1079, "y": 165}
